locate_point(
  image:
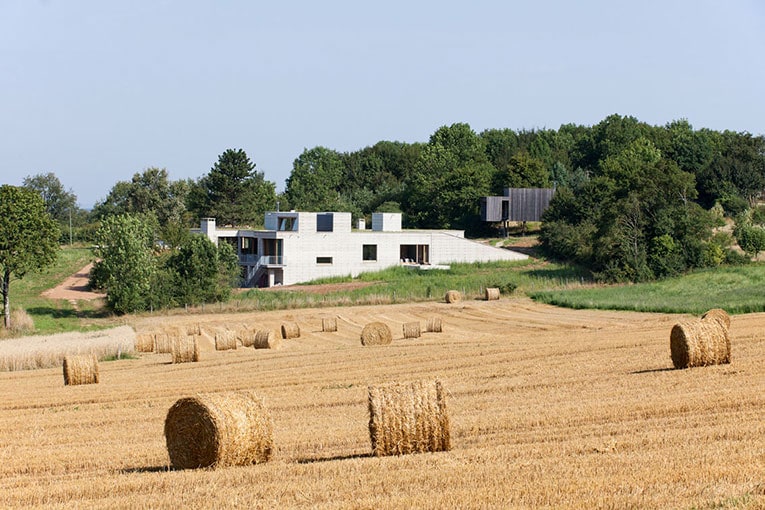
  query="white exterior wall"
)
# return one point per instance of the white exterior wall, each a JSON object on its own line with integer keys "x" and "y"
{"x": 346, "y": 250}
{"x": 447, "y": 248}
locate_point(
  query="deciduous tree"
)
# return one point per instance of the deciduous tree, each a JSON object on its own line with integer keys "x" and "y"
{"x": 28, "y": 238}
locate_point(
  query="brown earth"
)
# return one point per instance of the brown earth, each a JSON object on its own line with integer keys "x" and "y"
{"x": 75, "y": 288}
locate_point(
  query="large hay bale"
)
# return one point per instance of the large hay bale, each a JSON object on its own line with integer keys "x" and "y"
{"x": 225, "y": 340}
{"x": 434, "y": 325}
{"x": 408, "y": 418}
{"x": 185, "y": 349}
{"x": 224, "y": 429}
{"x": 80, "y": 369}
{"x": 246, "y": 336}
{"x": 144, "y": 342}
{"x": 717, "y": 314}
{"x": 329, "y": 325}
{"x": 266, "y": 339}
{"x": 411, "y": 330}
{"x": 163, "y": 343}
{"x": 376, "y": 333}
{"x": 453, "y": 296}
{"x": 290, "y": 330}
{"x": 492, "y": 293}
{"x": 698, "y": 343}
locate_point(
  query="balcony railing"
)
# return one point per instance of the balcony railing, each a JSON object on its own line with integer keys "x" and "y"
{"x": 261, "y": 260}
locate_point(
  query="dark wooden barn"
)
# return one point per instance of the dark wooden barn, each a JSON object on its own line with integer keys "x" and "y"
{"x": 516, "y": 204}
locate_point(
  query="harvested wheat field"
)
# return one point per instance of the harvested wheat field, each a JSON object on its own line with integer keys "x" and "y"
{"x": 548, "y": 408}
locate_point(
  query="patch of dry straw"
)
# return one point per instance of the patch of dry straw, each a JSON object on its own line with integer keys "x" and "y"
{"x": 329, "y": 325}
{"x": 434, "y": 325}
{"x": 266, "y": 339}
{"x": 225, "y": 340}
{"x": 80, "y": 369}
{"x": 31, "y": 352}
{"x": 186, "y": 349}
{"x": 492, "y": 294}
{"x": 408, "y": 418}
{"x": 453, "y": 296}
{"x": 215, "y": 430}
{"x": 411, "y": 330}
{"x": 698, "y": 343}
{"x": 376, "y": 333}
{"x": 290, "y": 330}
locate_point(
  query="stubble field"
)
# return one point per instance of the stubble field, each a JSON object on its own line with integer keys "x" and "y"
{"x": 550, "y": 408}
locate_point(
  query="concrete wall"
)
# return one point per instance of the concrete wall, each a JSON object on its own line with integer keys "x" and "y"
{"x": 346, "y": 250}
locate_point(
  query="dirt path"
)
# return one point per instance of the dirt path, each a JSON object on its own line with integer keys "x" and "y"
{"x": 75, "y": 288}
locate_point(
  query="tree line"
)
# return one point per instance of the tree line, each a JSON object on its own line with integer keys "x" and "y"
{"x": 633, "y": 201}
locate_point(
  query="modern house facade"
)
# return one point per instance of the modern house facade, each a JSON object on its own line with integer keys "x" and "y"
{"x": 297, "y": 247}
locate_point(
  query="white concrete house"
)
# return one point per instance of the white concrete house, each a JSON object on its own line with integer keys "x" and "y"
{"x": 298, "y": 247}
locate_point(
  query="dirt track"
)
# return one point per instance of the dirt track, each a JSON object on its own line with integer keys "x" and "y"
{"x": 75, "y": 288}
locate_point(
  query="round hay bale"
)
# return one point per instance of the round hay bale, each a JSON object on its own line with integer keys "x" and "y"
{"x": 266, "y": 339}
{"x": 718, "y": 314}
{"x": 453, "y": 296}
{"x": 246, "y": 336}
{"x": 492, "y": 294}
{"x": 224, "y": 429}
{"x": 144, "y": 342}
{"x": 225, "y": 340}
{"x": 699, "y": 343}
{"x": 412, "y": 330}
{"x": 290, "y": 330}
{"x": 163, "y": 343}
{"x": 329, "y": 325}
{"x": 408, "y": 418}
{"x": 376, "y": 333}
{"x": 80, "y": 369}
{"x": 434, "y": 325}
{"x": 186, "y": 349}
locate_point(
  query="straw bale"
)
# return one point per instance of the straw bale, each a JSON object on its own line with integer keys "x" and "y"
{"x": 225, "y": 340}
{"x": 329, "y": 325}
{"x": 80, "y": 369}
{"x": 144, "y": 342}
{"x": 453, "y": 296}
{"x": 215, "y": 430}
{"x": 290, "y": 330}
{"x": 434, "y": 325}
{"x": 492, "y": 293}
{"x": 408, "y": 418}
{"x": 411, "y": 330}
{"x": 246, "y": 336}
{"x": 697, "y": 343}
{"x": 266, "y": 339}
{"x": 718, "y": 314}
{"x": 185, "y": 349}
{"x": 163, "y": 343}
{"x": 376, "y": 333}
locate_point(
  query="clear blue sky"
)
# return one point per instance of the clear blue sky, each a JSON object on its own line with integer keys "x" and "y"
{"x": 96, "y": 91}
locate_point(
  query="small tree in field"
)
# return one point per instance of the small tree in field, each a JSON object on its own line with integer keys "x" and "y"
{"x": 127, "y": 263}
{"x": 28, "y": 238}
